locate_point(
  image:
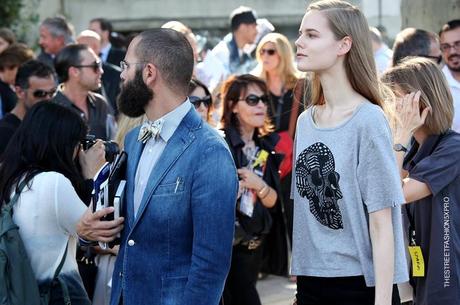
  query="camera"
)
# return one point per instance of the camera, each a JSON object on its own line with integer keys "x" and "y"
{"x": 111, "y": 147}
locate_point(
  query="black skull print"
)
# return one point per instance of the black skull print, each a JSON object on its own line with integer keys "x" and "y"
{"x": 317, "y": 180}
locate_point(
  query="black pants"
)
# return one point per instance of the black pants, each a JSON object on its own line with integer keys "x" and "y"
{"x": 337, "y": 291}
{"x": 240, "y": 287}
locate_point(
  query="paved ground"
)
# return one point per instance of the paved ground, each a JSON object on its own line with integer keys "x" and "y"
{"x": 275, "y": 290}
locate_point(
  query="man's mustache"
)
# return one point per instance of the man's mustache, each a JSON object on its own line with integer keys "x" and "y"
{"x": 454, "y": 56}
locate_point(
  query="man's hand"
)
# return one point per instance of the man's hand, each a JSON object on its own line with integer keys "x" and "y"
{"x": 91, "y": 228}
{"x": 92, "y": 159}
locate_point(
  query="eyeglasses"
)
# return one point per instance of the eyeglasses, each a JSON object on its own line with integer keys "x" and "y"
{"x": 253, "y": 100}
{"x": 269, "y": 52}
{"x": 124, "y": 65}
{"x": 437, "y": 59}
{"x": 43, "y": 93}
{"x": 96, "y": 66}
{"x": 197, "y": 101}
{"x": 445, "y": 47}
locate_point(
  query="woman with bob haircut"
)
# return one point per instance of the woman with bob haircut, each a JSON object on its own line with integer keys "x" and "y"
{"x": 428, "y": 155}
{"x": 348, "y": 243}
{"x": 248, "y": 134}
{"x": 42, "y": 155}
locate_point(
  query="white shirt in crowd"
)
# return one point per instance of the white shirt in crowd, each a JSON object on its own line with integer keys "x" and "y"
{"x": 455, "y": 90}
{"x": 154, "y": 148}
{"x": 383, "y": 57}
{"x": 47, "y": 215}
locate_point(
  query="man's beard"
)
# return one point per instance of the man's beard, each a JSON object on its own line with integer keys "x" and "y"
{"x": 134, "y": 96}
{"x": 451, "y": 67}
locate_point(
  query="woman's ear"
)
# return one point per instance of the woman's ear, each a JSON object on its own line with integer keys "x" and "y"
{"x": 345, "y": 45}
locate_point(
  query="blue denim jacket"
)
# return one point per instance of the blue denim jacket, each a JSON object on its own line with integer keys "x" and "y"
{"x": 177, "y": 250}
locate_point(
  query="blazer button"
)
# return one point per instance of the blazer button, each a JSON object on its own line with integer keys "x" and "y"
{"x": 131, "y": 242}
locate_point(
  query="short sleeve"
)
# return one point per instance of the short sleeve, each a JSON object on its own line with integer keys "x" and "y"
{"x": 378, "y": 177}
{"x": 440, "y": 168}
{"x": 68, "y": 206}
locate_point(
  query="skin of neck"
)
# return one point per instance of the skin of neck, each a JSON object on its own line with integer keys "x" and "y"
{"x": 275, "y": 81}
{"x": 75, "y": 93}
{"x": 337, "y": 89}
{"x": 19, "y": 110}
{"x": 420, "y": 135}
{"x": 164, "y": 101}
{"x": 239, "y": 39}
{"x": 246, "y": 132}
{"x": 455, "y": 75}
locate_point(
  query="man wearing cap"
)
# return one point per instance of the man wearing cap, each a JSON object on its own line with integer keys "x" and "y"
{"x": 229, "y": 56}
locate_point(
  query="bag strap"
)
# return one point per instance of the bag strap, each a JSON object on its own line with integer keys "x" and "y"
{"x": 7, "y": 206}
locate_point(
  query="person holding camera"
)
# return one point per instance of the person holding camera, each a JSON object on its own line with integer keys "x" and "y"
{"x": 80, "y": 70}
{"x": 39, "y": 163}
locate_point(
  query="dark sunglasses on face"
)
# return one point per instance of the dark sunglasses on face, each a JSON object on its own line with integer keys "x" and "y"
{"x": 253, "y": 100}
{"x": 196, "y": 101}
{"x": 43, "y": 93}
{"x": 96, "y": 66}
{"x": 270, "y": 52}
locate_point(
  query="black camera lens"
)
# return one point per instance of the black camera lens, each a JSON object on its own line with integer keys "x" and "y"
{"x": 111, "y": 150}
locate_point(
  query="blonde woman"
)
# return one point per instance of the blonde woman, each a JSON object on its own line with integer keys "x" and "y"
{"x": 276, "y": 67}
{"x": 348, "y": 242}
{"x": 428, "y": 155}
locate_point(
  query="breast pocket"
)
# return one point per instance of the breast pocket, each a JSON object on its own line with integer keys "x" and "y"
{"x": 172, "y": 290}
{"x": 169, "y": 189}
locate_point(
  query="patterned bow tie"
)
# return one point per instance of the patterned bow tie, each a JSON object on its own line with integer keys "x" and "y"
{"x": 150, "y": 130}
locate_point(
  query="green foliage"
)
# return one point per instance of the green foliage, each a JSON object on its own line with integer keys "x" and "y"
{"x": 10, "y": 12}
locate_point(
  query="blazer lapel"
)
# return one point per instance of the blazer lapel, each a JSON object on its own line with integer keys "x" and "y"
{"x": 176, "y": 145}
{"x": 133, "y": 161}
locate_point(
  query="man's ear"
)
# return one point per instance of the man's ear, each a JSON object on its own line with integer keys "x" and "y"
{"x": 21, "y": 93}
{"x": 73, "y": 71}
{"x": 150, "y": 74}
{"x": 345, "y": 45}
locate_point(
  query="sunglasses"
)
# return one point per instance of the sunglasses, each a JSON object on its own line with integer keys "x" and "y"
{"x": 197, "y": 101}
{"x": 43, "y": 93}
{"x": 269, "y": 52}
{"x": 437, "y": 59}
{"x": 253, "y": 100}
{"x": 96, "y": 66}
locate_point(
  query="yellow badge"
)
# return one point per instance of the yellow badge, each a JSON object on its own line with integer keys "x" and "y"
{"x": 261, "y": 159}
{"x": 418, "y": 265}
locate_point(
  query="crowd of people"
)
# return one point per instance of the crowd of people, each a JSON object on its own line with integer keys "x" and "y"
{"x": 336, "y": 166}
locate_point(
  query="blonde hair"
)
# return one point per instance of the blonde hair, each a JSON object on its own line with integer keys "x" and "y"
{"x": 416, "y": 73}
{"x": 125, "y": 124}
{"x": 346, "y": 20}
{"x": 285, "y": 69}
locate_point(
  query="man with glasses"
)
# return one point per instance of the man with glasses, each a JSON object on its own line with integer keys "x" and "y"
{"x": 80, "y": 70}
{"x": 34, "y": 82}
{"x": 450, "y": 48}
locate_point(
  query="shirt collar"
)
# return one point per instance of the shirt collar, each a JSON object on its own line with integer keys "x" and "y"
{"x": 173, "y": 119}
{"x": 105, "y": 52}
{"x": 450, "y": 79}
{"x": 65, "y": 100}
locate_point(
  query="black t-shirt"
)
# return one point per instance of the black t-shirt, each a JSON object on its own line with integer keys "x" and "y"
{"x": 437, "y": 217}
{"x": 8, "y": 125}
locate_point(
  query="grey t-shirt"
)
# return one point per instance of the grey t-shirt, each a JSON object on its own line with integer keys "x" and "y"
{"x": 341, "y": 175}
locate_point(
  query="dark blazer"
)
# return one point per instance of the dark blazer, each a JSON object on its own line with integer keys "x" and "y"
{"x": 111, "y": 83}
{"x": 115, "y": 56}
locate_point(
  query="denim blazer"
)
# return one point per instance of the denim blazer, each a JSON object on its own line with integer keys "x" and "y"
{"x": 177, "y": 250}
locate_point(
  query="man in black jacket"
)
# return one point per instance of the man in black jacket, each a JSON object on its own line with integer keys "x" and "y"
{"x": 108, "y": 53}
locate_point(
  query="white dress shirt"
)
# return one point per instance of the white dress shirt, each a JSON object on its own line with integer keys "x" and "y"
{"x": 153, "y": 150}
{"x": 105, "y": 52}
{"x": 455, "y": 90}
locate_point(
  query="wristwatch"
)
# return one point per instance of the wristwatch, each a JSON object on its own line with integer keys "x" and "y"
{"x": 399, "y": 147}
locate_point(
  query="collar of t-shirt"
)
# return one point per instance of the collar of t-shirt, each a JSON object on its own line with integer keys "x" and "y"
{"x": 173, "y": 119}
{"x": 105, "y": 52}
{"x": 450, "y": 79}
{"x": 417, "y": 153}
